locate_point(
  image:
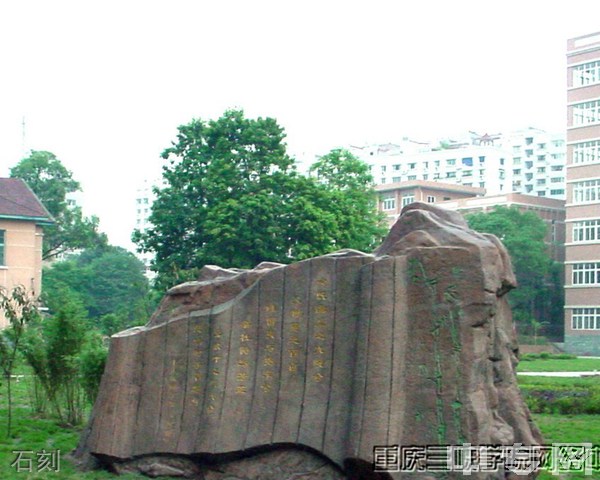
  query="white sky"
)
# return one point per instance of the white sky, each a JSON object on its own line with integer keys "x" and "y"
{"x": 104, "y": 85}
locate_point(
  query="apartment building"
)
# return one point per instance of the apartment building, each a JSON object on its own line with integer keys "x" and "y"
{"x": 582, "y": 266}
{"x": 538, "y": 162}
{"x": 529, "y": 161}
{"x": 144, "y": 198}
{"x": 478, "y": 166}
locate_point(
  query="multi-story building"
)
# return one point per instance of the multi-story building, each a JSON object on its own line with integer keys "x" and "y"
{"x": 22, "y": 220}
{"x": 479, "y": 166}
{"x": 528, "y": 161}
{"x": 538, "y": 162}
{"x": 582, "y": 266}
{"x": 393, "y": 197}
{"x": 144, "y": 198}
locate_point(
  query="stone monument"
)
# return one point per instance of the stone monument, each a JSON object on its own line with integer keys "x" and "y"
{"x": 303, "y": 371}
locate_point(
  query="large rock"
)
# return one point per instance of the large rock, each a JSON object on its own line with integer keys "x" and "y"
{"x": 299, "y": 371}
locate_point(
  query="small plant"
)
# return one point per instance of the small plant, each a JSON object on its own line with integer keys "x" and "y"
{"x": 19, "y": 308}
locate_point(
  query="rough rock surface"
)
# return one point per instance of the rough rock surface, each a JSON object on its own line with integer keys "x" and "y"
{"x": 298, "y": 371}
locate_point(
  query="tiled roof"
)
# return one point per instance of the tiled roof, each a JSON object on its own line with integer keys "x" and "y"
{"x": 18, "y": 200}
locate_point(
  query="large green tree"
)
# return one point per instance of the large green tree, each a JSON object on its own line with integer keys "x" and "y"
{"x": 539, "y": 296}
{"x": 52, "y": 182}
{"x": 232, "y": 197}
{"x": 109, "y": 282}
{"x": 351, "y": 197}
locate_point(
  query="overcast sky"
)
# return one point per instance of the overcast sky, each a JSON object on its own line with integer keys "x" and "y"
{"x": 104, "y": 85}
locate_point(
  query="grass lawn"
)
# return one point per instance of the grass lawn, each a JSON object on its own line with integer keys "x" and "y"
{"x": 569, "y": 429}
{"x": 36, "y": 435}
{"x": 559, "y": 365}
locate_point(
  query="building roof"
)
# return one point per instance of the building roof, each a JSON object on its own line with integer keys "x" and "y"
{"x": 17, "y": 201}
{"x": 432, "y": 185}
{"x": 507, "y": 199}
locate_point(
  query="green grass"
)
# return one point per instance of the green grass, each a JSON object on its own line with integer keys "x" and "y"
{"x": 559, "y": 365}
{"x": 34, "y": 433}
{"x": 569, "y": 429}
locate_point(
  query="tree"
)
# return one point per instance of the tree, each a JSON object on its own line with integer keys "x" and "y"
{"x": 19, "y": 308}
{"x": 110, "y": 283}
{"x": 539, "y": 293}
{"x": 51, "y": 182}
{"x": 232, "y": 197}
{"x": 352, "y": 198}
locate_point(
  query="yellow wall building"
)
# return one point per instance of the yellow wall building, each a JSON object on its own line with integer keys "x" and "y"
{"x": 22, "y": 219}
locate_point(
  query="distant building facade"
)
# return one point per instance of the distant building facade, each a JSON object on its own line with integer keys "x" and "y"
{"x": 22, "y": 220}
{"x": 529, "y": 161}
{"x": 582, "y": 266}
{"x": 537, "y": 162}
{"x": 393, "y": 197}
{"x": 144, "y": 198}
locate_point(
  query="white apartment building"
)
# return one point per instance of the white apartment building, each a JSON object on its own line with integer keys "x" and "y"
{"x": 528, "y": 161}
{"x": 538, "y": 162}
{"x": 144, "y": 198}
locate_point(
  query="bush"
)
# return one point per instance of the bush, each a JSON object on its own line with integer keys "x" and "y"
{"x": 563, "y": 400}
{"x": 91, "y": 365}
{"x": 67, "y": 360}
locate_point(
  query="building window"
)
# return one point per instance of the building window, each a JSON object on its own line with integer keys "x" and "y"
{"x": 517, "y": 161}
{"x": 541, "y": 170}
{"x": 411, "y": 178}
{"x": 468, "y": 173}
{"x": 586, "y": 113}
{"x": 586, "y": 273}
{"x": 557, "y": 180}
{"x": 397, "y": 167}
{"x": 586, "y": 191}
{"x": 407, "y": 199}
{"x": 586, "y": 152}
{"x": 586, "y": 231}
{"x": 529, "y": 140}
{"x": 412, "y": 166}
{"x": 517, "y": 171}
{"x": 541, "y": 194}
{"x": 2, "y": 232}
{"x": 396, "y": 179}
{"x": 451, "y": 175}
{"x": 585, "y": 319}
{"x": 430, "y": 199}
{"x": 451, "y": 161}
{"x": 556, "y": 168}
{"x": 383, "y": 168}
{"x": 559, "y": 191}
{"x": 541, "y": 181}
{"x": 586, "y": 74}
{"x": 388, "y": 202}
